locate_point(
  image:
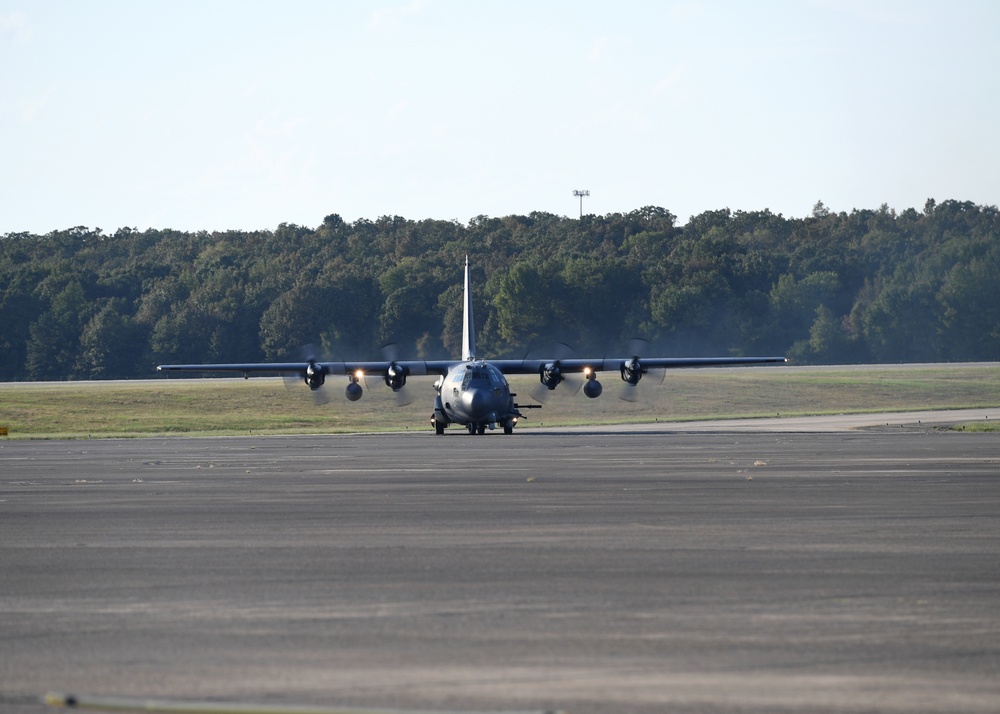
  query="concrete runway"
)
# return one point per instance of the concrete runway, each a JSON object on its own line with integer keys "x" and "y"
{"x": 642, "y": 570}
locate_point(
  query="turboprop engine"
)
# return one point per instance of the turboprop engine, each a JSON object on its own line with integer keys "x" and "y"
{"x": 631, "y": 371}
{"x": 395, "y": 377}
{"x": 550, "y": 374}
{"x": 314, "y": 375}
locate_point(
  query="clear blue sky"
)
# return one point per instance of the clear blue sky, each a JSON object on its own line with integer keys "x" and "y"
{"x": 239, "y": 114}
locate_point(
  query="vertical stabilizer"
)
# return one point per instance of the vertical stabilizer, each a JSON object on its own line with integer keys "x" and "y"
{"x": 468, "y": 328}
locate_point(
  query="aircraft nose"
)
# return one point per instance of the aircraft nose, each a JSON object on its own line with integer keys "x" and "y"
{"x": 474, "y": 402}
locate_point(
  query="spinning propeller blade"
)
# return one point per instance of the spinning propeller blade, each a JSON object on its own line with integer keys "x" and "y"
{"x": 294, "y": 379}
{"x": 630, "y": 391}
{"x": 554, "y": 376}
{"x": 397, "y": 374}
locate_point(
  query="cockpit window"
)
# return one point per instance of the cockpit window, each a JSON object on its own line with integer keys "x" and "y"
{"x": 481, "y": 374}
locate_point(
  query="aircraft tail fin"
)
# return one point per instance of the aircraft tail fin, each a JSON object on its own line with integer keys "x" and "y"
{"x": 468, "y": 328}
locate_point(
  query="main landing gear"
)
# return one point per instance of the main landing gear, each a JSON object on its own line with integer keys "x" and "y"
{"x": 475, "y": 429}
{"x": 479, "y": 429}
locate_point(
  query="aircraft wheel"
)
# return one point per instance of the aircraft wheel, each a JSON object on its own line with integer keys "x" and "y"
{"x": 438, "y": 427}
{"x": 481, "y": 429}
{"x": 508, "y": 427}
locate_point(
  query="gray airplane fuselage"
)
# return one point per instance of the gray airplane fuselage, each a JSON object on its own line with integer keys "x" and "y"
{"x": 475, "y": 394}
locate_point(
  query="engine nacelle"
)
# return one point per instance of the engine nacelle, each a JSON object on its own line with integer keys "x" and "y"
{"x": 550, "y": 374}
{"x": 353, "y": 391}
{"x": 395, "y": 377}
{"x": 314, "y": 375}
{"x": 631, "y": 371}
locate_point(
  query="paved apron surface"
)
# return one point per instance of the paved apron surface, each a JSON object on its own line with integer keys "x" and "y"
{"x": 610, "y": 571}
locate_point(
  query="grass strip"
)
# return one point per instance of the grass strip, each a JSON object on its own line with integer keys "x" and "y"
{"x": 228, "y": 406}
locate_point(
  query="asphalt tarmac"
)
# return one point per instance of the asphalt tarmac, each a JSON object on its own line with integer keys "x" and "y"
{"x": 632, "y": 570}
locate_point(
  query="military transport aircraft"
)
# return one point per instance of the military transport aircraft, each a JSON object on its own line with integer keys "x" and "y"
{"x": 472, "y": 392}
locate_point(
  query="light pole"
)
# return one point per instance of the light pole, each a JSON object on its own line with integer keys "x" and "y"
{"x": 581, "y": 194}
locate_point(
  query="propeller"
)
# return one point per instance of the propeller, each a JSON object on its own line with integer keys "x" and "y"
{"x": 320, "y": 395}
{"x": 551, "y": 375}
{"x": 314, "y": 375}
{"x": 632, "y": 371}
{"x": 396, "y": 374}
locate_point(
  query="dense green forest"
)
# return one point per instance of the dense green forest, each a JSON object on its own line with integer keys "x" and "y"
{"x": 865, "y": 286}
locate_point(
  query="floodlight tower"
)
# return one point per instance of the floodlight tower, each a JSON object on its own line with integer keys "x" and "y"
{"x": 581, "y": 194}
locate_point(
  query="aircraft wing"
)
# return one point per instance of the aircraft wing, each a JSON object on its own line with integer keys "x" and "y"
{"x": 605, "y": 364}
{"x": 382, "y": 368}
{"x": 552, "y": 372}
{"x": 244, "y": 368}
{"x": 507, "y": 366}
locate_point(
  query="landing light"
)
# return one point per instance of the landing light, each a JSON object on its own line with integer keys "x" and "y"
{"x": 359, "y": 375}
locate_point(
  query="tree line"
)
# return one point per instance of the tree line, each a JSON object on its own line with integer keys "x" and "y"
{"x": 864, "y": 286}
